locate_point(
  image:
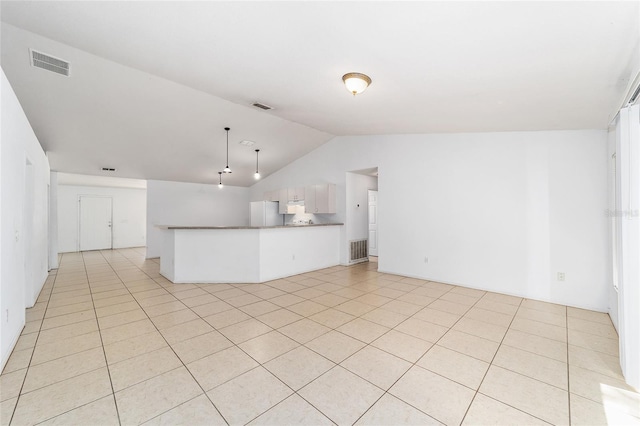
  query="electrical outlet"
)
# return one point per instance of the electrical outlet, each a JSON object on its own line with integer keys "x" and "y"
{"x": 293, "y": 257}
{"x": 7, "y": 315}
{"x": 426, "y": 259}
{"x": 560, "y": 276}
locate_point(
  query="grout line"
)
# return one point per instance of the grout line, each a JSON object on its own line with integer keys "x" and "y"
{"x": 490, "y": 364}
{"x": 15, "y": 407}
{"x": 170, "y": 347}
{"x": 415, "y": 363}
{"x": 276, "y": 330}
{"x": 369, "y": 344}
{"x": 126, "y": 265}
{"x": 31, "y": 359}
{"x": 104, "y": 354}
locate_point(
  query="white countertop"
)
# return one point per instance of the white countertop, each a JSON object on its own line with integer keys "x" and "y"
{"x": 246, "y": 227}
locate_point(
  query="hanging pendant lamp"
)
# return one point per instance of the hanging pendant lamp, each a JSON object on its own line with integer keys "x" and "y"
{"x": 256, "y": 175}
{"x": 220, "y": 181}
{"x": 227, "y": 169}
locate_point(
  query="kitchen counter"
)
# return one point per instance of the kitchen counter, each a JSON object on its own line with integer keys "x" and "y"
{"x": 246, "y": 254}
{"x": 247, "y": 227}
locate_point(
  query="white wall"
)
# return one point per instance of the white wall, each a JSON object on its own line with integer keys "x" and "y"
{"x": 179, "y": 203}
{"x": 17, "y": 254}
{"x": 513, "y": 208}
{"x": 611, "y": 225}
{"x": 53, "y": 220}
{"x": 129, "y": 215}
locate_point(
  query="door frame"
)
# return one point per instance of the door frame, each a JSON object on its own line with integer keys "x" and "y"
{"x": 377, "y": 223}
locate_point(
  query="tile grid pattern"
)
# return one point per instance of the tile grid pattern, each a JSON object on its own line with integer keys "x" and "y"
{"x": 341, "y": 345}
{"x": 100, "y": 334}
{"x": 105, "y": 355}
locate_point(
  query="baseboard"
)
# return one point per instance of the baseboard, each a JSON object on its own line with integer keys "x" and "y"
{"x": 37, "y": 294}
{"x": 524, "y": 296}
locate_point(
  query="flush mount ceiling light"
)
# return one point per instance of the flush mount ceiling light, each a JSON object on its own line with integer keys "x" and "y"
{"x": 256, "y": 175}
{"x": 356, "y": 82}
{"x": 220, "y": 181}
{"x": 227, "y": 169}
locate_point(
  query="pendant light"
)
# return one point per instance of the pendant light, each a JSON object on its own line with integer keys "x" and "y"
{"x": 227, "y": 169}
{"x": 220, "y": 182}
{"x": 256, "y": 175}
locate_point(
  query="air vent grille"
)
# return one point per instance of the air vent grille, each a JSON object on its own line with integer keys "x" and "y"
{"x": 262, "y": 106}
{"x": 635, "y": 95}
{"x": 49, "y": 63}
{"x": 358, "y": 251}
{"x": 108, "y": 169}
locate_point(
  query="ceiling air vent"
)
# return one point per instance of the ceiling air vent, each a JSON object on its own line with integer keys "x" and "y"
{"x": 262, "y": 106}
{"x": 635, "y": 96}
{"x": 49, "y": 63}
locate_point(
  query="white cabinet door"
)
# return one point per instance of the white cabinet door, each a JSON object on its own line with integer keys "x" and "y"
{"x": 282, "y": 201}
{"x": 272, "y": 195}
{"x": 331, "y": 198}
{"x": 320, "y": 199}
{"x": 95, "y": 223}
{"x": 296, "y": 194}
{"x": 310, "y": 199}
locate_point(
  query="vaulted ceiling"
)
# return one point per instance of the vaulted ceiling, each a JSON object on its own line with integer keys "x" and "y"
{"x": 153, "y": 84}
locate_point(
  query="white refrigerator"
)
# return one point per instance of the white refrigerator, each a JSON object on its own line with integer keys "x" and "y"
{"x": 265, "y": 213}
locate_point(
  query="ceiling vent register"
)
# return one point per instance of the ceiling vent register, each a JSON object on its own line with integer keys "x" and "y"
{"x": 49, "y": 63}
{"x": 262, "y": 106}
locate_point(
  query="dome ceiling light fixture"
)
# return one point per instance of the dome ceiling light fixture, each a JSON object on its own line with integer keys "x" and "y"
{"x": 227, "y": 169}
{"x": 356, "y": 82}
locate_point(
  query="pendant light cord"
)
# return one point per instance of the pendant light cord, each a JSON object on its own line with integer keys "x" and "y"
{"x": 257, "y": 168}
{"x": 227, "y": 129}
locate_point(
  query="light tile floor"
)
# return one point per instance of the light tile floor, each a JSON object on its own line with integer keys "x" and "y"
{"x": 112, "y": 342}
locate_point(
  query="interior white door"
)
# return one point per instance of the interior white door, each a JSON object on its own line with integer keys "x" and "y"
{"x": 373, "y": 223}
{"x": 95, "y": 223}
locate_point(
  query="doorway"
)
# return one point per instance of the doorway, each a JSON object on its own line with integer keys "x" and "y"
{"x": 361, "y": 190}
{"x": 95, "y": 223}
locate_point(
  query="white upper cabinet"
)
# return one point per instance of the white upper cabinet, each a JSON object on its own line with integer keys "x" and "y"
{"x": 296, "y": 194}
{"x": 271, "y": 195}
{"x": 310, "y": 199}
{"x": 282, "y": 199}
{"x": 320, "y": 199}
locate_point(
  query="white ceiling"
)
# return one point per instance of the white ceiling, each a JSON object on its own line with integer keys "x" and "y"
{"x": 154, "y": 83}
{"x": 111, "y": 182}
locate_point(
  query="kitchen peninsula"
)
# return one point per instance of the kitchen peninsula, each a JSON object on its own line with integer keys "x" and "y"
{"x": 246, "y": 254}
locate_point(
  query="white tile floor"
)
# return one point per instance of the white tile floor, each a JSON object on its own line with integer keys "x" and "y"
{"x": 112, "y": 342}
